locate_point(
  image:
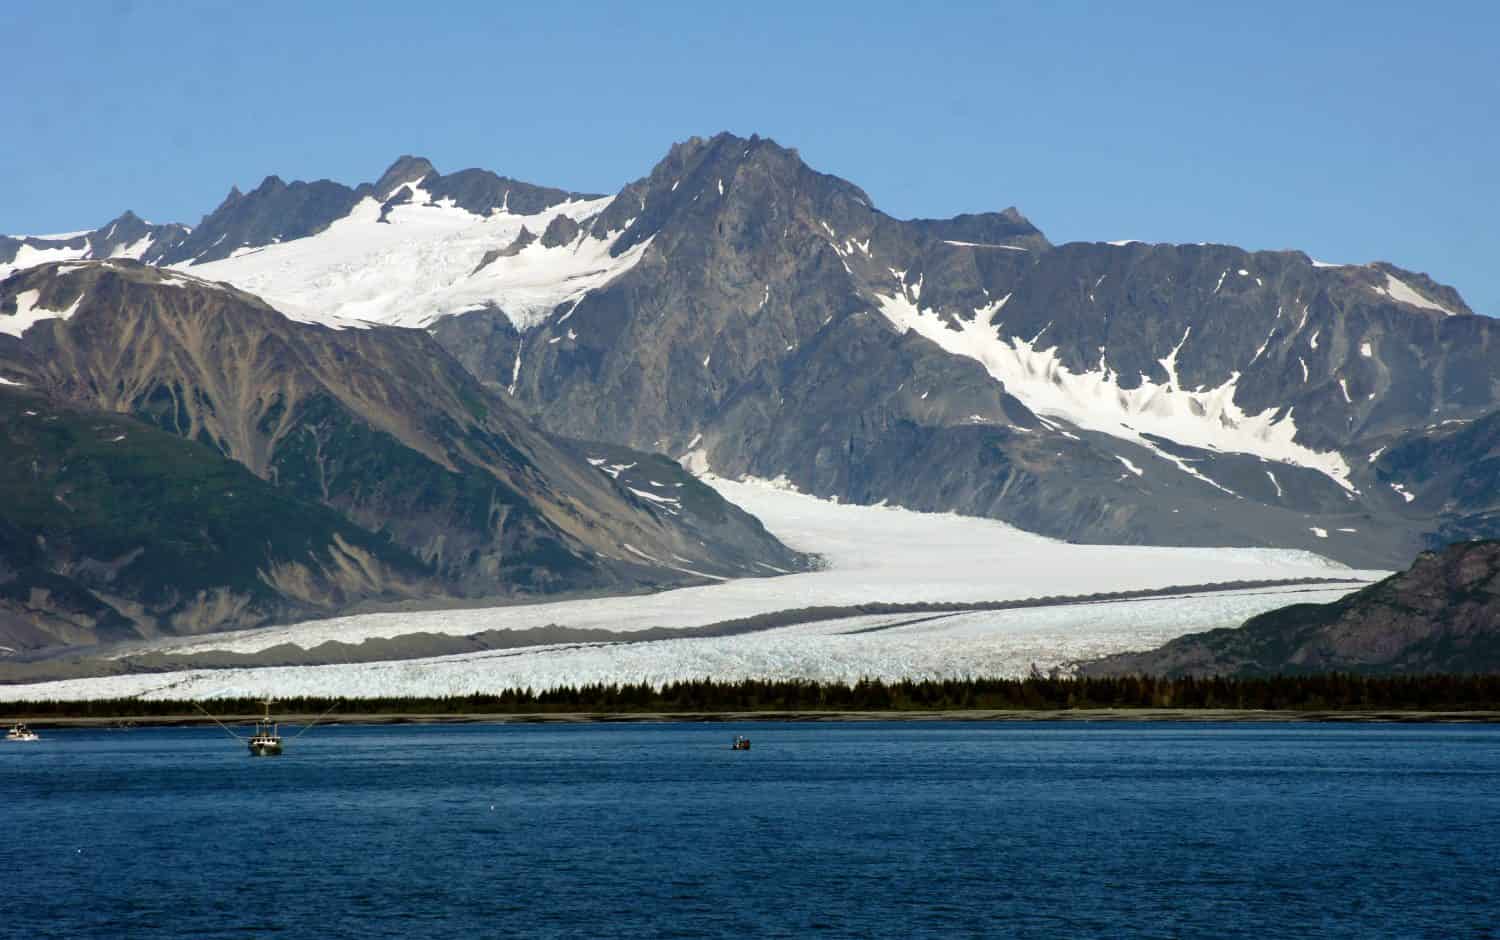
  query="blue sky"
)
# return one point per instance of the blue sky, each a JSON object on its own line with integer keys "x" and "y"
{"x": 1355, "y": 131}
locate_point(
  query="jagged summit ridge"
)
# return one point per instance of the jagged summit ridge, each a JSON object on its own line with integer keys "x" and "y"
{"x": 742, "y": 309}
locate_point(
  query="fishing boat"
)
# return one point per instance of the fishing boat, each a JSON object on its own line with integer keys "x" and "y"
{"x": 741, "y": 743}
{"x": 19, "y": 732}
{"x": 266, "y": 741}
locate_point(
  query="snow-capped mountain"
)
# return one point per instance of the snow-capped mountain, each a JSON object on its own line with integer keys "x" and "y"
{"x": 756, "y": 317}
{"x": 412, "y": 248}
{"x": 128, "y": 236}
{"x": 406, "y": 250}
{"x": 780, "y": 325}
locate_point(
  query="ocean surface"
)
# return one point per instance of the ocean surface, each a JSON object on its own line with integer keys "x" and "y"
{"x": 884, "y": 829}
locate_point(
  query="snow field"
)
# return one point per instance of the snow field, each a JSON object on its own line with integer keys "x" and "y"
{"x": 423, "y": 264}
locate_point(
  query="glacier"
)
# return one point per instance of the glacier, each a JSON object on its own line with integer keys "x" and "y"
{"x": 870, "y": 553}
{"x": 887, "y": 647}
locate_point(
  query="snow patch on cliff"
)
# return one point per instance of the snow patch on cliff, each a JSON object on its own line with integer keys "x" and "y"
{"x": 1207, "y": 418}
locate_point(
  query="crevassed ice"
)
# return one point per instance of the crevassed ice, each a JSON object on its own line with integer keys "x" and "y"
{"x": 890, "y": 647}
{"x": 1094, "y": 400}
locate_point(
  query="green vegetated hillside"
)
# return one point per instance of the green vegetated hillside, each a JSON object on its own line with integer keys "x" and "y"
{"x": 110, "y": 528}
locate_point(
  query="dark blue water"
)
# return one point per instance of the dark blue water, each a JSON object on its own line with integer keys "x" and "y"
{"x": 888, "y": 829}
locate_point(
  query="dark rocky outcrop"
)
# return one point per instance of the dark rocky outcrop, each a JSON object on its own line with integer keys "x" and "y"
{"x": 1442, "y": 615}
{"x": 522, "y": 239}
{"x": 483, "y": 192}
{"x": 560, "y": 231}
{"x": 406, "y": 170}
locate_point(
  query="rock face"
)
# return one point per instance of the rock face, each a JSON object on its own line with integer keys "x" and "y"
{"x": 379, "y": 426}
{"x": 779, "y": 325}
{"x": 737, "y": 309}
{"x": 1442, "y": 615}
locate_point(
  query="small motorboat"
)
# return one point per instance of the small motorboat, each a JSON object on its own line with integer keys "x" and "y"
{"x": 19, "y": 732}
{"x": 741, "y": 743}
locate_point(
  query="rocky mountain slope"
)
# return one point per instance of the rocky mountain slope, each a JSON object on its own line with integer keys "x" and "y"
{"x": 745, "y": 312}
{"x": 378, "y": 425}
{"x": 779, "y": 325}
{"x": 111, "y": 529}
{"x": 1442, "y": 615}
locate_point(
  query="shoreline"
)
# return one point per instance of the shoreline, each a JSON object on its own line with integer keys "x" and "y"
{"x": 1060, "y": 716}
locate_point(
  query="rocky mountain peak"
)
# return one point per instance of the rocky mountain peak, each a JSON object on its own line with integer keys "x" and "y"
{"x": 406, "y": 169}
{"x": 1012, "y": 214}
{"x": 742, "y": 181}
{"x": 1425, "y": 286}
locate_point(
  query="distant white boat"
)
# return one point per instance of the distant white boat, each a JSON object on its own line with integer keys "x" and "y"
{"x": 19, "y": 732}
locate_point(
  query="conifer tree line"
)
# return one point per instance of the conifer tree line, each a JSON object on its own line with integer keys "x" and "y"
{"x": 1334, "y": 692}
